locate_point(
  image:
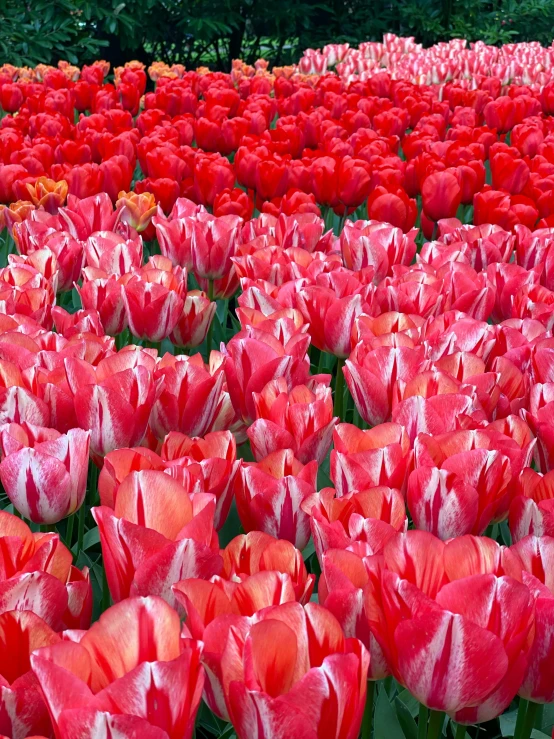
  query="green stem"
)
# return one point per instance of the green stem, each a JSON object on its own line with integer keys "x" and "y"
{"x": 460, "y": 732}
{"x": 422, "y": 722}
{"x": 436, "y": 721}
{"x": 368, "y": 711}
{"x": 529, "y": 721}
{"x": 521, "y": 711}
{"x": 209, "y": 337}
{"x": 339, "y": 390}
{"x": 69, "y": 530}
{"x": 539, "y": 716}
{"x": 47, "y": 528}
{"x": 81, "y": 526}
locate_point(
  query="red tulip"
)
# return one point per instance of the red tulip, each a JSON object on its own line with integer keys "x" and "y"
{"x": 360, "y": 521}
{"x": 193, "y": 325}
{"x": 248, "y": 554}
{"x": 22, "y": 708}
{"x": 104, "y": 293}
{"x": 254, "y": 357}
{"x": 535, "y": 554}
{"x": 113, "y": 400}
{"x": 301, "y": 420}
{"x": 147, "y": 672}
{"x": 432, "y": 621}
{"x": 532, "y": 510}
{"x": 315, "y": 662}
{"x": 270, "y": 493}
{"x": 331, "y": 318}
{"x": 233, "y": 202}
{"x": 193, "y": 399}
{"x": 110, "y": 252}
{"x": 156, "y": 534}
{"x": 367, "y": 459}
{"x": 44, "y": 473}
{"x": 153, "y": 301}
{"x": 211, "y": 462}
{"x": 36, "y": 574}
{"x": 441, "y": 195}
{"x": 213, "y": 244}
{"x": 372, "y": 375}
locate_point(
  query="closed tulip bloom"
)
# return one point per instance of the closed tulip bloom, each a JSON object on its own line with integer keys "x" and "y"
{"x": 301, "y": 420}
{"x": 23, "y": 711}
{"x": 136, "y": 210}
{"x": 448, "y": 617}
{"x": 112, "y": 253}
{"x": 366, "y": 459}
{"x": 255, "y": 356}
{"x": 113, "y": 400}
{"x": 153, "y": 302}
{"x": 270, "y": 494}
{"x": 532, "y": 508}
{"x": 193, "y": 398}
{"x": 193, "y": 325}
{"x": 44, "y": 473}
{"x": 211, "y": 461}
{"x": 331, "y": 318}
{"x": 156, "y": 534}
{"x": 36, "y": 575}
{"x": 213, "y": 243}
{"x": 146, "y": 672}
{"x": 441, "y": 195}
{"x": 535, "y": 554}
{"x": 316, "y": 664}
{"x": 248, "y": 554}
{"x": 104, "y": 293}
{"x": 359, "y": 521}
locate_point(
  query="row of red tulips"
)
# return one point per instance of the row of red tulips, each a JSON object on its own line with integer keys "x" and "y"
{"x": 276, "y": 381}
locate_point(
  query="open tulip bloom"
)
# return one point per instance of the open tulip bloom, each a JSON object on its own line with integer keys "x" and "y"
{"x": 277, "y": 396}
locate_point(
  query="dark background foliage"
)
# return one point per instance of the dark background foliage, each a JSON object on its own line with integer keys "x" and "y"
{"x": 215, "y": 31}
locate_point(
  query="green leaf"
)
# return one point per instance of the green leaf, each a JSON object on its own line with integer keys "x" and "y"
{"x": 405, "y": 718}
{"x": 386, "y": 720}
{"x": 91, "y": 538}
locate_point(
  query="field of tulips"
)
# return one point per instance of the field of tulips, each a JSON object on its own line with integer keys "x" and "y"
{"x": 277, "y": 397}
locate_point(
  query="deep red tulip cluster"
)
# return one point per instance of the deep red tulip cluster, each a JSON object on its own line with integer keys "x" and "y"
{"x": 277, "y": 394}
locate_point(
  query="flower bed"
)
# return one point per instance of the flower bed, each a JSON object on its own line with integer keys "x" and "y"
{"x": 276, "y": 384}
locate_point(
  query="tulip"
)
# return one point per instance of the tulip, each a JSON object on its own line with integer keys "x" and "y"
{"x": 330, "y": 318}
{"x": 136, "y": 209}
{"x": 449, "y": 626}
{"x": 359, "y": 521}
{"x": 113, "y": 400}
{"x": 291, "y": 633}
{"x": 110, "y": 252}
{"x": 104, "y": 293}
{"x": 193, "y": 398}
{"x": 248, "y": 554}
{"x": 532, "y": 510}
{"x": 270, "y": 493}
{"x": 535, "y": 554}
{"x": 233, "y": 202}
{"x": 213, "y": 244}
{"x": 254, "y": 357}
{"x": 150, "y": 674}
{"x": 441, "y": 195}
{"x": 193, "y": 325}
{"x": 48, "y": 194}
{"x": 211, "y": 462}
{"x": 36, "y": 574}
{"x": 44, "y": 473}
{"x": 153, "y": 302}
{"x": 156, "y": 534}
{"x": 301, "y": 420}
{"x": 23, "y": 711}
